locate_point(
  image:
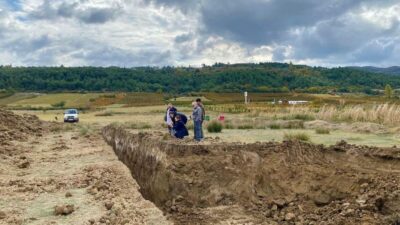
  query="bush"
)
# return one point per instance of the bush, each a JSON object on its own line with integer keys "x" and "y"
{"x": 214, "y": 127}
{"x": 294, "y": 125}
{"x": 229, "y": 126}
{"x": 296, "y": 137}
{"x": 245, "y": 127}
{"x": 304, "y": 117}
{"x": 59, "y": 104}
{"x": 322, "y": 131}
{"x": 274, "y": 126}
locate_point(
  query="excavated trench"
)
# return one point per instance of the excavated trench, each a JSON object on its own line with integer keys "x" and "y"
{"x": 262, "y": 183}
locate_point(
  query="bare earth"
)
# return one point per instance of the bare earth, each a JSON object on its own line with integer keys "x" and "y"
{"x": 46, "y": 173}
{"x": 53, "y": 174}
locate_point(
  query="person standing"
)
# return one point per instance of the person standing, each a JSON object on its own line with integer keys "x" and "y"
{"x": 197, "y": 117}
{"x": 203, "y": 115}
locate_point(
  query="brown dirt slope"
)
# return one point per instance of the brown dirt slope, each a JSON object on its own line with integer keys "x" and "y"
{"x": 263, "y": 183}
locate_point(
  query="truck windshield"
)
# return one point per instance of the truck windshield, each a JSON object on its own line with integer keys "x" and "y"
{"x": 71, "y": 111}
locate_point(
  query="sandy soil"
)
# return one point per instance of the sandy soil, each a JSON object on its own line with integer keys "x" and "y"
{"x": 62, "y": 178}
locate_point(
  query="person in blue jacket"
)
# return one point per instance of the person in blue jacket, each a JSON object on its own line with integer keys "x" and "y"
{"x": 179, "y": 129}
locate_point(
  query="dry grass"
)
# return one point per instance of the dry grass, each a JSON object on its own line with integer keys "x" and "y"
{"x": 322, "y": 131}
{"x": 387, "y": 114}
{"x": 297, "y": 137}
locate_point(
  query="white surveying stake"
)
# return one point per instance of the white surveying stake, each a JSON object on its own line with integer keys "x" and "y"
{"x": 245, "y": 97}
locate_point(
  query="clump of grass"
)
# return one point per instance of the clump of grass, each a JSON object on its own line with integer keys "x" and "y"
{"x": 275, "y": 126}
{"x": 140, "y": 126}
{"x": 305, "y": 117}
{"x": 245, "y": 127}
{"x": 294, "y": 125}
{"x": 229, "y": 126}
{"x": 59, "y": 104}
{"x": 214, "y": 127}
{"x": 322, "y": 131}
{"x": 296, "y": 137}
{"x": 105, "y": 114}
{"x": 85, "y": 130}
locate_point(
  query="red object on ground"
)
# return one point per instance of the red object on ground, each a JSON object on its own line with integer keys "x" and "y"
{"x": 221, "y": 118}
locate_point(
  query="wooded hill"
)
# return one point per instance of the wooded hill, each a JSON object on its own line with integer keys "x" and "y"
{"x": 263, "y": 77}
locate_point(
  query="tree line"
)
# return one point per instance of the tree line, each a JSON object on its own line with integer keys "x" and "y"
{"x": 262, "y": 77}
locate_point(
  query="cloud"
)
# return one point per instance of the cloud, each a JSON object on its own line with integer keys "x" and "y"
{"x": 193, "y": 32}
{"x": 79, "y": 10}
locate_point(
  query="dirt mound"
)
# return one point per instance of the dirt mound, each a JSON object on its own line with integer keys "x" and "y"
{"x": 16, "y": 128}
{"x": 263, "y": 183}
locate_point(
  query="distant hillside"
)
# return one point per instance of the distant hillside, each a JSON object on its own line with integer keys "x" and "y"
{"x": 394, "y": 70}
{"x": 263, "y": 77}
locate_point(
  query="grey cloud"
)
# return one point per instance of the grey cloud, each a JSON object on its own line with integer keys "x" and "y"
{"x": 112, "y": 56}
{"x": 184, "y": 38}
{"x": 24, "y": 45}
{"x": 376, "y": 51}
{"x": 262, "y": 22}
{"x": 91, "y": 15}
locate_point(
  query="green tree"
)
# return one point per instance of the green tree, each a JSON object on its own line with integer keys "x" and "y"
{"x": 389, "y": 93}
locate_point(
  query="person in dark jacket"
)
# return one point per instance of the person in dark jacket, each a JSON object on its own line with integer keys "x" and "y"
{"x": 179, "y": 129}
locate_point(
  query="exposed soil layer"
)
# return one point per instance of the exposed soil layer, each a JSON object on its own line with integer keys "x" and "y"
{"x": 15, "y": 127}
{"x": 262, "y": 183}
{"x": 61, "y": 177}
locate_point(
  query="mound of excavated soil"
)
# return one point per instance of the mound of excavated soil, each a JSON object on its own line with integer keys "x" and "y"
{"x": 263, "y": 183}
{"x": 16, "y": 127}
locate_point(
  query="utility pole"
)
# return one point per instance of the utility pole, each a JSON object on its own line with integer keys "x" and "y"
{"x": 245, "y": 97}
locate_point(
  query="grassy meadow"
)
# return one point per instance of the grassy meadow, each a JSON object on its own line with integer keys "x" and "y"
{"x": 325, "y": 119}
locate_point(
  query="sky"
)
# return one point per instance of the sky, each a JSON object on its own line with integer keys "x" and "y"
{"x": 131, "y": 33}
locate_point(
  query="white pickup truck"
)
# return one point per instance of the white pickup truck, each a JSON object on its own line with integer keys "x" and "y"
{"x": 71, "y": 116}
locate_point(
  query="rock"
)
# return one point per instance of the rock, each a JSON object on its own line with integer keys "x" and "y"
{"x": 24, "y": 165}
{"x": 290, "y": 216}
{"x": 280, "y": 202}
{"x": 322, "y": 199}
{"x": 3, "y": 215}
{"x": 64, "y": 210}
{"x": 68, "y": 195}
{"x": 109, "y": 205}
{"x": 364, "y": 185}
{"x": 346, "y": 204}
{"x": 274, "y": 208}
{"x": 361, "y": 201}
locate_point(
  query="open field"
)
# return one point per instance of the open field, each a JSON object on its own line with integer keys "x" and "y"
{"x": 246, "y": 174}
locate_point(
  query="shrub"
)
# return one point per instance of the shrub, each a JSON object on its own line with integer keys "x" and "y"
{"x": 59, "y": 104}
{"x": 294, "y": 125}
{"x": 274, "y": 126}
{"x": 322, "y": 131}
{"x": 228, "y": 126}
{"x": 296, "y": 137}
{"x": 245, "y": 127}
{"x": 214, "y": 127}
{"x": 305, "y": 117}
